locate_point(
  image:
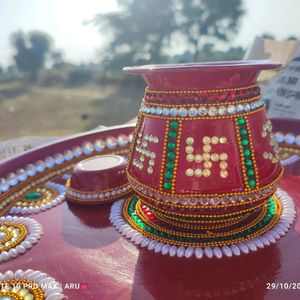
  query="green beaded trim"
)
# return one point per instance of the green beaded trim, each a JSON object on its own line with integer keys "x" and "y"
{"x": 247, "y": 159}
{"x": 172, "y": 136}
{"x": 269, "y": 216}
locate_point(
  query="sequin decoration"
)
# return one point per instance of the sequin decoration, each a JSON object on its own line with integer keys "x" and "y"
{"x": 29, "y": 285}
{"x": 267, "y": 130}
{"x": 207, "y": 158}
{"x": 17, "y": 235}
{"x": 144, "y": 227}
{"x": 39, "y": 199}
{"x": 145, "y": 154}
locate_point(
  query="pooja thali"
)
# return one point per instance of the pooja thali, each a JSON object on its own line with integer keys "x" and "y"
{"x": 72, "y": 251}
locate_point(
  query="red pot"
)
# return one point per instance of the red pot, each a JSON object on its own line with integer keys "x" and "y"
{"x": 203, "y": 143}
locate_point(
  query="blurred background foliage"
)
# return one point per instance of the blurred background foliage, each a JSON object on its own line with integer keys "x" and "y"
{"x": 42, "y": 93}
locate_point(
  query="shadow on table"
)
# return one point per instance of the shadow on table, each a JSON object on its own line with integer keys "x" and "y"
{"x": 87, "y": 226}
{"x": 162, "y": 277}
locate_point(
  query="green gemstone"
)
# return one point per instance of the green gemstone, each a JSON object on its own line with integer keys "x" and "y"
{"x": 167, "y": 185}
{"x": 168, "y": 175}
{"x": 171, "y": 146}
{"x": 250, "y": 172}
{"x": 251, "y": 183}
{"x": 171, "y": 155}
{"x": 170, "y": 165}
{"x": 174, "y": 124}
{"x": 246, "y": 152}
{"x": 245, "y": 142}
{"x": 33, "y": 196}
{"x": 243, "y": 131}
{"x": 248, "y": 162}
{"x": 172, "y": 134}
{"x": 241, "y": 121}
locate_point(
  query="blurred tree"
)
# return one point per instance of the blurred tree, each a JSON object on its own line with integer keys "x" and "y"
{"x": 31, "y": 51}
{"x": 57, "y": 59}
{"x": 209, "y": 21}
{"x": 1, "y": 71}
{"x": 137, "y": 31}
{"x": 144, "y": 31}
{"x": 292, "y": 38}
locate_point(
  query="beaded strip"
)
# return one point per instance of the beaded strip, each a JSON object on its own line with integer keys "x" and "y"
{"x": 147, "y": 220}
{"x": 252, "y": 153}
{"x": 245, "y": 153}
{"x": 170, "y": 161}
{"x": 163, "y": 163}
{"x": 147, "y": 90}
{"x": 261, "y": 188}
{"x": 203, "y": 207}
{"x": 197, "y": 117}
{"x": 199, "y": 104}
{"x": 141, "y": 229}
{"x": 190, "y": 224}
{"x": 154, "y": 207}
{"x": 195, "y": 110}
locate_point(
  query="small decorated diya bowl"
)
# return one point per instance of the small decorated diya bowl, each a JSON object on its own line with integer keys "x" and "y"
{"x": 98, "y": 179}
{"x": 204, "y": 162}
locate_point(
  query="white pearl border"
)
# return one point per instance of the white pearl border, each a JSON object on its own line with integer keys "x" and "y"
{"x": 101, "y": 196}
{"x": 287, "y": 138}
{"x": 18, "y": 210}
{"x": 202, "y": 111}
{"x": 35, "y": 232}
{"x": 51, "y": 288}
{"x": 270, "y": 237}
{"x": 290, "y": 160}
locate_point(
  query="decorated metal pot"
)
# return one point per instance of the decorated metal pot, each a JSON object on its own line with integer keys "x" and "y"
{"x": 203, "y": 143}
{"x": 204, "y": 163}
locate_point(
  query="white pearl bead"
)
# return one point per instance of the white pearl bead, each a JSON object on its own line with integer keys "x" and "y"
{"x": 53, "y": 291}
{"x": 12, "y": 253}
{"x": 55, "y": 296}
{"x": 289, "y": 138}
{"x": 227, "y": 251}
{"x": 158, "y": 247}
{"x": 145, "y": 243}
{"x": 217, "y": 252}
{"x": 189, "y": 252}
{"x": 199, "y": 253}
{"x": 235, "y": 250}
{"x": 180, "y": 251}
{"x": 4, "y": 255}
{"x": 20, "y": 249}
{"x": 172, "y": 250}
{"x": 8, "y": 275}
{"x": 243, "y": 248}
{"x": 251, "y": 245}
{"x": 152, "y": 245}
{"x": 19, "y": 273}
{"x": 208, "y": 252}
{"x": 165, "y": 249}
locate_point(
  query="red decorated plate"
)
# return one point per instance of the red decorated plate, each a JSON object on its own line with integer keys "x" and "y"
{"x": 75, "y": 252}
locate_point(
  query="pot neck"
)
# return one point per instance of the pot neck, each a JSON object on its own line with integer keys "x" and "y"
{"x": 209, "y": 96}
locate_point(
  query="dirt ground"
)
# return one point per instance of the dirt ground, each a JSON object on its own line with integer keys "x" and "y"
{"x": 40, "y": 111}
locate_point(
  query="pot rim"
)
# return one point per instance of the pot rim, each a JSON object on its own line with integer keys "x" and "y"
{"x": 217, "y": 65}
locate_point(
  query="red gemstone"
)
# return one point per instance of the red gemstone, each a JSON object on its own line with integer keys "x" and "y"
{"x": 231, "y": 96}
